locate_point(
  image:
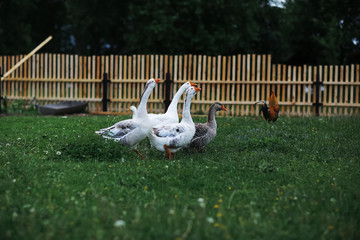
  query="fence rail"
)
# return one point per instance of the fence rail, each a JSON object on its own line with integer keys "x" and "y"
{"x": 237, "y": 81}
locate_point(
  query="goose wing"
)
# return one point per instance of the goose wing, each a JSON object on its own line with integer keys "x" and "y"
{"x": 119, "y": 129}
{"x": 168, "y": 131}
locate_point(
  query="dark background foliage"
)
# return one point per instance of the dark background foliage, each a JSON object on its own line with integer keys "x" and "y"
{"x": 299, "y": 32}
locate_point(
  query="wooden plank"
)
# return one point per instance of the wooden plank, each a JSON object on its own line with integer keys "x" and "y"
{"x": 313, "y": 77}
{"x": 33, "y": 75}
{"x": 336, "y": 95}
{"x": 223, "y": 78}
{"x": 232, "y": 87}
{"x": 37, "y": 75}
{"x": 258, "y": 77}
{"x": 298, "y": 87}
{"x": 346, "y": 88}
{"x": 71, "y": 76}
{"x": 357, "y": 88}
{"x": 352, "y": 88}
{"x": 248, "y": 57}
{"x": 330, "y": 89}
{"x": 283, "y": 90}
{"x": 76, "y": 75}
{"x": 62, "y": 63}
{"x": 120, "y": 85}
{"x": 9, "y": 71}
{"x": 293, "y": 91}
{"x": 242, "y": 79}
{"x": 325, "y": 93}
{"x": 213, "y": 76}
{"x": 208, "y": 76}
{"x": 81, "y": 76}
{"x": 253, "y": 63}
{"x": 341, "y": 89}
{"x": 89, "y": 84}
{"x": 263, "y": 79}
{"x": 268, "y": 75}
{"x": 238, "y": 85}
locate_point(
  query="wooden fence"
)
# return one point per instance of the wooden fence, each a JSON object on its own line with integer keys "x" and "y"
{"x": 237, "y": 81}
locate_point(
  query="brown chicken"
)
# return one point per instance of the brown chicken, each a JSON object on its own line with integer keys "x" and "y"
{"x": 271, "y": 111}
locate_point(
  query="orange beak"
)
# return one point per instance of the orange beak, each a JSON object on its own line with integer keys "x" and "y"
{"x": 223, "y": 108}
{"x": 157, "y": 80}
{"x": 193, "y": 84}
{"x": 197, "y": 89}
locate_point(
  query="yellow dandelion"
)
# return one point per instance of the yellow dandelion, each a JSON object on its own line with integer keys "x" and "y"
{"x": 277, "y": 199}
{"x": 220, "y": 200}
{"x": 66, "y": 212}
{"x": 176, "y": 196}
{"x": 317, "y": 180}
{"x": 109, "y": 166}
{"x": 219, "y": 215}
{"x": 332, "y": 184}
{"x": 106, "y": 188}
{"x": 229, "y": 188}
{"x": 216, "y": 224}
{"x": 291, "y": 197}
{"x": 216, "y": 206}
{"x": 331, "y": 227}
{"x": 146, "y": 188}
{"x": 149, "y": 166}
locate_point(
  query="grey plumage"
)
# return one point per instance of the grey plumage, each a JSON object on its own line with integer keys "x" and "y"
{"x": 206, "y": 132}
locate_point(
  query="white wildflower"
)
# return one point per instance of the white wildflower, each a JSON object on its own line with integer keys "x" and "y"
{"x": 119, "y": 223}
{"x": 210, "y": 220}
{"x": 58, "y": 153}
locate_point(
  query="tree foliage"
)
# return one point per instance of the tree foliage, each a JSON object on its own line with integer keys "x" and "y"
{"x": 301, "y": 32}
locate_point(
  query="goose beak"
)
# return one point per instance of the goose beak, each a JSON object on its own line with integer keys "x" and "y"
{"x": 193, "y": 84}
{"x": 197, "y": 89}
{"x": 223, "y": 108}
{"x": 157, "y": 80}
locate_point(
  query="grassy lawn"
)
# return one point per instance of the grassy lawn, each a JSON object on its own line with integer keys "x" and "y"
{"x": 296, "y": 179}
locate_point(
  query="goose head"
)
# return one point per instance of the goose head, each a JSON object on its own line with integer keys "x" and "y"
{"x": 191, "y": 92}
{"x": 218, "y": 107}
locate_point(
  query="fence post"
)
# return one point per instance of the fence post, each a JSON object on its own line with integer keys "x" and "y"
{"x": 1, "y": 98}
{"x": 167, "y": 90}
{"x": 105, "y": 99}
{"x": 317, "y": 87}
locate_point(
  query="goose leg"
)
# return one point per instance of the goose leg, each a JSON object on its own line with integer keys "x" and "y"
{"x": 168, "y": 153}
{"x": 138, "y": 153}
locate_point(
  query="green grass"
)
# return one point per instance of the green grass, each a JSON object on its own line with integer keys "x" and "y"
{"x": 296, "y": 179}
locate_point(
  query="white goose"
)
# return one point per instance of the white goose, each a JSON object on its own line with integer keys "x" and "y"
{"x": 131, "y": 131}
{"x": 171, "y": 115}
{"x": 170, "y": 138}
